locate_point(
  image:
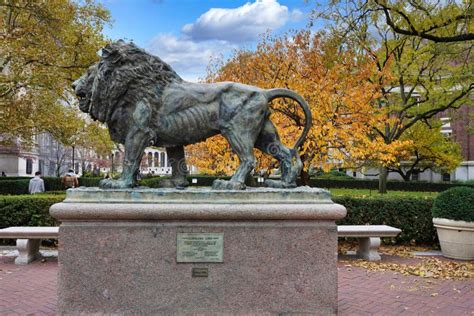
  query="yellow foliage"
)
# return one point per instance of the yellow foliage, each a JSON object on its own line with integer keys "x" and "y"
{"x": 340, "y": 86}
{"x": 44, "y": 47}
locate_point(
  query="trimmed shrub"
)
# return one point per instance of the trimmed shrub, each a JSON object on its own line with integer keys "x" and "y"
{"x": 455, "y": 204}
{"x": 411, "y": 215}
{"x": 52, "y": 184}
{"x": 28, "y": 210}
{"x": 335, "y": 175}
{"x": 391, "y": 185}
{"x": 13, "y": 178}
{"x": 20, "y": 185}
{"x": 202, "y": 181}
{"x": 89, "y": 181}
{"x": 14, "y": 186}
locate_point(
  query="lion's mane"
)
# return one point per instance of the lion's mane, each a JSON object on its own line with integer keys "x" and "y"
{"x": 125, "y": 75}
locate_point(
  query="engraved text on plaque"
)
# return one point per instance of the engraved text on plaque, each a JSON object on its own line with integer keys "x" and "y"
{"x": 200, "y": 247}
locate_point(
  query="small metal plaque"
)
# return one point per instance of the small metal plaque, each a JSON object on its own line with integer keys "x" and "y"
{"x": 200, "y": 247}
{"x": 200, "y": 272}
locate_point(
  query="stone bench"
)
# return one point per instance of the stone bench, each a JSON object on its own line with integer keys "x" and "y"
{"x": 28, "y": 240}
{"x": 369, "y": 238}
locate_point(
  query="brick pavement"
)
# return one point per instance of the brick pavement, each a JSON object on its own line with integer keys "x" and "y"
{"x": 31, "y": 289}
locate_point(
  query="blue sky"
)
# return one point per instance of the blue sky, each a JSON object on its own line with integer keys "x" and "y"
{"x": 187, "y": 33}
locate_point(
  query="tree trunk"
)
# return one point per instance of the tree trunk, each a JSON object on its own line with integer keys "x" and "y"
{"x": 383, "y": 172}
{"x": 304, "y": 178}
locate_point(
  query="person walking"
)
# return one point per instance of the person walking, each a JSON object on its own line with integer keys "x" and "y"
{"x": 70, "y": 180}
{"x": 36, "y": 184}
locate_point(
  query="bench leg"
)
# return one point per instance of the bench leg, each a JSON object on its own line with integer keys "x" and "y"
{"x": 368, "y": 247}
{"x": 28, "y": 250}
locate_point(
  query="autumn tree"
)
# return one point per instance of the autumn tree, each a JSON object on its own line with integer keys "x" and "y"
{"x": 428, "y": 149}
{"x": 44, "y": 46}
{"x": 433, "y": 20}
{"x": 426, "y": 78}
{"x": 333, "y": 79}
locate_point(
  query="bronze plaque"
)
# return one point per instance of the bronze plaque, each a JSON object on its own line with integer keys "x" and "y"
{"x": 200, "y": 247}
{"x": 200, "y": 272}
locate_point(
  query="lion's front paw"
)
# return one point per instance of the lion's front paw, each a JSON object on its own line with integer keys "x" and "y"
{"x": 227, "y": 185}
{"x": 279, "y": 184}
{"x": 114, "y": 184}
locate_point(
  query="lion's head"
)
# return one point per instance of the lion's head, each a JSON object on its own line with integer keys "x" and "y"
{"x": 123, "y": 74}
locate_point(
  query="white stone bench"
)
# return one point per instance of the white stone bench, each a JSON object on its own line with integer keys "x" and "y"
{"x": 369, "y": 238}
{"x": 28, "y": 240}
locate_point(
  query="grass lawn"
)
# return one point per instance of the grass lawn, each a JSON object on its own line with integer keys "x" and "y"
{"x": 374, "y": 193}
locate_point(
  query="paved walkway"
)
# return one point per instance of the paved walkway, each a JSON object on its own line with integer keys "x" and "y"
{"x": 31, "y": 289}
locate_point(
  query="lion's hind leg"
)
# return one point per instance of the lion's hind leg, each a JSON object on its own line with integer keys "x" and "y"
{"x": 242, "y": 144}
{"x": 290, "y": 163}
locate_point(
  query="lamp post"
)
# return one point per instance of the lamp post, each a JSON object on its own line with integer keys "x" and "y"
{"x": 73, "y": 164}
{"x": 112, "y": 158}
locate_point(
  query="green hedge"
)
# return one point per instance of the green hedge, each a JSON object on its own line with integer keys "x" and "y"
{"x": 20, "y": 186}
{"x": 391, "y": 185}
{"x": 89, "y": 181}
{"x": 411, "y": 215}
{"x": 27, "y": 210}
{"x": 202, "y": 181}
{"x": 455, "y": 204}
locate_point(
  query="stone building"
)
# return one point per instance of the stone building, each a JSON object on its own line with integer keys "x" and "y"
{"x": 51, "y": 158}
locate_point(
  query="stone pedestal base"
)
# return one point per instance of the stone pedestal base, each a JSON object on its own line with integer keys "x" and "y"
{"x": 120, "y": 255}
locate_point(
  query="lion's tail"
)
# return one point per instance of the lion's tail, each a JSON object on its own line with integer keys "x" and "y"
{"x": 286, "y": 93}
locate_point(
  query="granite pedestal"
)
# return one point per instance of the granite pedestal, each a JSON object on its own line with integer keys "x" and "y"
{"x": 118, "y": 251}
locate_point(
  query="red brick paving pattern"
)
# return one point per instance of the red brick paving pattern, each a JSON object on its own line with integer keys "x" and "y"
{"x": 364, "y": 292}
{"x": 31, "y": 289}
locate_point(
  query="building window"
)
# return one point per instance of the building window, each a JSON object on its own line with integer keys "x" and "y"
{"x": 446, "y": 177}
{"x": 29, "y": 166}
{"x": 52, "y": 168}
{"x": 41, "y": 166}
{"x": 150, "y": 160}
{"x": 162, "y": 159}
{"x": 415, "y": 176}
{"x": 354, "y": 174}
{"x": 156, "y": 159}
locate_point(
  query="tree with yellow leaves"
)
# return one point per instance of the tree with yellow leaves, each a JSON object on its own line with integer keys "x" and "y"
{"x": 44, "y": 47}
{"x": 339, "y": 85}
{"x": 427, "y": 77}
{"x": 429, "y": 149}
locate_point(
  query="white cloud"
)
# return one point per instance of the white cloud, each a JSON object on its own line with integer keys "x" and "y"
{"x": 241, "y": 24}
{"x": 216, "y": 33}
{"x": 187, "y": 57}
{"x": 296, "y": 15}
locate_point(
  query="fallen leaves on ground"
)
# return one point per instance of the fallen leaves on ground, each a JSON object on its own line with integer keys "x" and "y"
{"x": 427, "y": 267}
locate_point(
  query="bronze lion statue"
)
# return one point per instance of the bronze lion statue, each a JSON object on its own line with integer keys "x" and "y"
{"x": 144, "y": 102}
